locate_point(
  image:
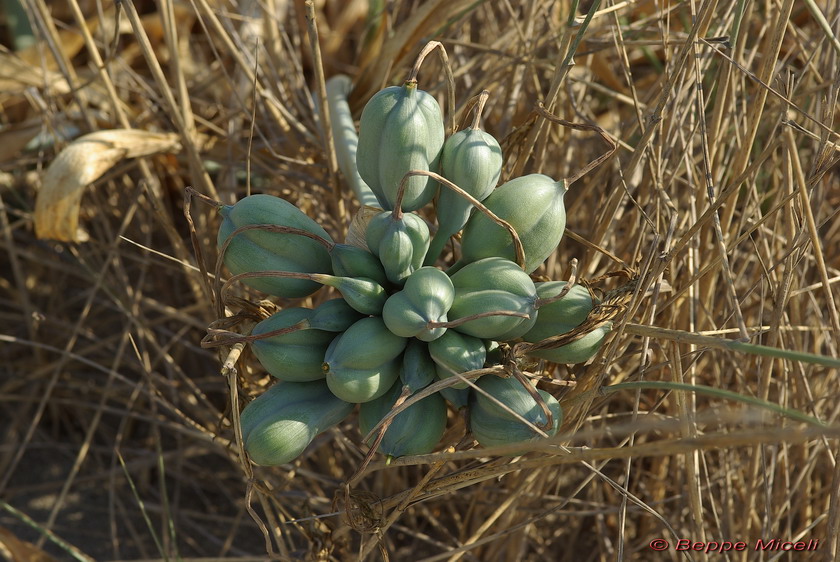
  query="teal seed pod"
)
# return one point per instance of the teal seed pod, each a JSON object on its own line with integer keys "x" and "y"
{"x": 494, "y": 352}
{"x": 455, "y": 353}
{"x": 334, "y": 315}
{"x": 458, "y": 397}
{"x": 260, "y": 250}
{"x": 562, "y": 316}
{"x": 351, "y": 261}
{"x": 362, "y": 385}
{"x": 364, "y": 361}
{"x": 534, "y": 206}
{"x": 401, "y": 129}
{"x": 579, "y": 351}
{"x": 472, "y": 160}
{"x": 414, "y": 431}
{"x": 400, "y": 241}
{"x": 493, "y": 285}
{"x": 425, "y": 299}
{"x": 363, "y": 295}
{"x": 418, "y": 366}
{"x": 296, "y": 355}
{"x": 279, "y": 424}
{"x": 491, "y": 425}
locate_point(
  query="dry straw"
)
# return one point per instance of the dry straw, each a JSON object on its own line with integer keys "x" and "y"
{"x": 724, "y": 116}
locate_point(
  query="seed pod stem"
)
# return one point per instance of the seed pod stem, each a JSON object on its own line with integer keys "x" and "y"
{"x": 192, "y": 192}
{"x": 549, "y": 418}
{"x": 465, "y": 319}
{"x": 564, "y": 291}
{"x": 519, "y": 251}
{"x": 218, "y": 338}
{"x": 450, "y": 79}
{"x": 479, "y": 109}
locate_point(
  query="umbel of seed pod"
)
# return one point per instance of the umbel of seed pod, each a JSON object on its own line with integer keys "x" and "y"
{"x": 534, "y": 206}
{"x": 256, "y": 249}
{"x": 471, "y": 159}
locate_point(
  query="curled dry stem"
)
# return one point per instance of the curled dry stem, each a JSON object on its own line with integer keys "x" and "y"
{"x": 220, "y": 259}
{"x": 316, "y": 277}
{"x": 549, "y": 418}
{"x": 564, "y": 291}
{"x": 217, "y": 337}
{"x": 613, "y": 146}
{"x": 189, "y": 193}
{"x": 450, "y": 79}
{"x": 518, "y": 249}
{"x": 455, "y": 323}
{"x": 479, "y": 109}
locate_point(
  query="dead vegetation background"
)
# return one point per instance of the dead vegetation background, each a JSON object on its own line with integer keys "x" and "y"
{"x": 115, "y": 432}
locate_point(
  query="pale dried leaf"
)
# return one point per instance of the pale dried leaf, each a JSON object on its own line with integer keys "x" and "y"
{"x": 16, "y": 550}
{"x": 358, "y": 226}
{"x": 81, "y": 163}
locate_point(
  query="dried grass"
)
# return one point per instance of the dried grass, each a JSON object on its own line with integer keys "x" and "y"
{"x": 723, "y": 197}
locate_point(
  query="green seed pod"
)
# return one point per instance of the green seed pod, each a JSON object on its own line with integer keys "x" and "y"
{"x": 491, "y": 425}
{"x": 362, "y": 385}
{"x": 533, "y": 205}
{"x": 400, "y": 241}
{"x": 559, "y": 317}
{"x": 494, "y": 352}
{"x": 458, "y": 397}
{"x": 414, "y": 431}
{"x": 493, "y": 285}
{"x": 457, "y": 353}
{"x": 279, "y": 425}
{"x": 364, "y": 345}
{"x": 401, "y": 129}
{"x": 578, "y": 351}
{"x": 296, "y": 355}
{"x": 418, "y": 367}
{"x": 260, "y": 250}
{"x": 334, "y": 315}
{"x": 364, "y": 295}
{"x": 363, "y": 362}
{"x": 350, "y": 261}
{"x": 426, "y": 297}
{"x": 472, "y": 160}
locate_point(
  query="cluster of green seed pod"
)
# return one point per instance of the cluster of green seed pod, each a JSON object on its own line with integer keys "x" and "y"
{"x": 406, "y": 318}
